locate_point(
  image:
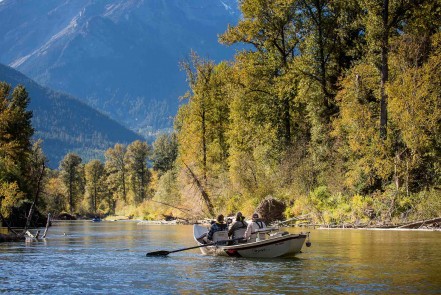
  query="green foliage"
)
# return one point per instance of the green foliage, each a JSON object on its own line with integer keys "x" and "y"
{"x": 95, "y": 184}
{"x": 71, "y": 175}
{"x": 10, "y": 197}
{"x": 136, "y": 157}
{"x": 116, "y": 170}
{"x": 15, "y": 136}
{"x": 427, "y": 205}
{"x": 331, "y": 108}
{"x": 167, "y": 190}
{"x": 54, "y": 195}
{"x": 20, "y": 162}
{"x": 165, "y": 151}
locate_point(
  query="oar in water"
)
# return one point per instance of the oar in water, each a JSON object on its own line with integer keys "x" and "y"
{"x": 165, "y": 253}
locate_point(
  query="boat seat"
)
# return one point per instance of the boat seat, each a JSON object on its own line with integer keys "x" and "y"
{"x": 220, "y": 236}
{"x": 262, "y": 236}
{"x": 239, "y": 233}
{"x": 253, "y": 237}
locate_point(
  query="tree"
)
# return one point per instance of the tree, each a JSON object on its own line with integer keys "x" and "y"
{"x": 115, "y": 166}
{"x": 95, "y": 183}
{"x": 199, "y": 74}
{"x": 37, "y": 165}
{"x": 54, "y": 194}
{"x": 165, "y": 151}
{"x": 272, "y": 29}
{"x": 136, "y": 158}
{"x": 375, "y": 162}
{"x": 70, "y": 173}
{"x": 415, "y": 109}
{"x": 15, "y": 136}
{"x": 386, "y": 19}
{"x": 202, "y": 125}
{"x": 16, "y": 155}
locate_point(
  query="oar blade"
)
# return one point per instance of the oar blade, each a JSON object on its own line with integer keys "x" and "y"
{"x": 158, "y": 253}
{"x": 165, "y": 253}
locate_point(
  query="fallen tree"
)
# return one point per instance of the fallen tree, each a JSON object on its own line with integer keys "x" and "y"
{"x": 418, "y": 224}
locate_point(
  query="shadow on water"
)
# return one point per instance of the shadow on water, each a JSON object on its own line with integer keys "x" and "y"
{"x": 109, "y": 258}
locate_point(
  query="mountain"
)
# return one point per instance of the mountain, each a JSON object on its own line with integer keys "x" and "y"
{"x": 119, "y": 56}
{"x": 65, "y": 124}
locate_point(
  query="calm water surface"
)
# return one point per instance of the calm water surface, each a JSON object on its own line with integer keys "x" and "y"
{"x": 109, "y": 258}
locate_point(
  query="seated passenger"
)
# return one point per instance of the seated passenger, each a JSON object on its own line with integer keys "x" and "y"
{"x": 217, "y": 226}
{"x": 254, "y": 226}
{"x": 238, "y": 224}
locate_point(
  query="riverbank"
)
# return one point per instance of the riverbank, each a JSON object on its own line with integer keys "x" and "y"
{"x": 433, "y": 224}
{"x": 11, "y": 238}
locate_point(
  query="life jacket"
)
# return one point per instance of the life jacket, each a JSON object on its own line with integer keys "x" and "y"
{"x": 222, "y": 226}
{"x": 259, "y": 223}
{"x": 216, "y": 227}
{"x": 242, "y": 220}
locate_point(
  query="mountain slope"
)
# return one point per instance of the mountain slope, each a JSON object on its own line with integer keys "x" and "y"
{"x": 119, "y": 56}
{"x": 66, "y": 124}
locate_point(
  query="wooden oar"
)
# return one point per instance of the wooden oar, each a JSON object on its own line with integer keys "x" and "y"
{"x": 165, "y": 253}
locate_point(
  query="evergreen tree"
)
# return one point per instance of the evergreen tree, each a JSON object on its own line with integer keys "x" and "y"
{"x": 138, "y": 153}
{"x": 115, "y": 166}
{"x": 95, "y": 183}
{"x": 165, "y": 151}
{"x": 16, "y": 166}
{"x": 15, "y": 136}
{"x": 71, "y": 175}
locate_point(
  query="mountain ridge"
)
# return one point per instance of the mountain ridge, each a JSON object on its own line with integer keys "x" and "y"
{"x": 121, "y": 57}
{"x": 66, "y": 124}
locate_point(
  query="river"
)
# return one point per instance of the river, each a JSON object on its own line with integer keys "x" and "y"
{"x": 83, "y": 257}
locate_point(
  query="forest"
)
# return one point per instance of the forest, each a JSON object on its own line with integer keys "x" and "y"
{"x": 332, "y": 108}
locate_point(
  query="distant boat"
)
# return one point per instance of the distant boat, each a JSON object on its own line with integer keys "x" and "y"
{"x": 96, "y": 219}
{"x": 268, "y": 245}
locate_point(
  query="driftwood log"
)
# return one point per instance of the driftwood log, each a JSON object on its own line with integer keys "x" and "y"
{"x": 16, "y": 237}
{"x": 422, "y": 223}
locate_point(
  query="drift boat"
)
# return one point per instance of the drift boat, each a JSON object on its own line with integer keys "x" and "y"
{"x": 267, "y": 243}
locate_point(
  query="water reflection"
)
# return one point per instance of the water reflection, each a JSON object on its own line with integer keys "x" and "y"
{"x": 109, "y": 258}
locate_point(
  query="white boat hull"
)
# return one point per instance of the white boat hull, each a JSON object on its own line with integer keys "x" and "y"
{"x": 285, "y": 245}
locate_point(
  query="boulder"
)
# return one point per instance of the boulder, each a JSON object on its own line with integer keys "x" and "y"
{"x": 271, "y": 209}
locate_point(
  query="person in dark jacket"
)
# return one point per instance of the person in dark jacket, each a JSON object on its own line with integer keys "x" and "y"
{"x": 239, "y": 223}
{"x": 217, "y": 226}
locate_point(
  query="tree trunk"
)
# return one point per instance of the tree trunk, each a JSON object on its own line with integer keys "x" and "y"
{"x": 204, "y": 194}
{"x": 34, "y": 203}
{"x": 48, "y": 223}
{"x": 7, "y": 224}
{"x": 204, "y": 146}
{"x": 384, "y": 70}
{"x": 124, "y": 184}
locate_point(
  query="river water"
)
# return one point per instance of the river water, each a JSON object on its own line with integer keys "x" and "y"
{"x": 83, "y": 257}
